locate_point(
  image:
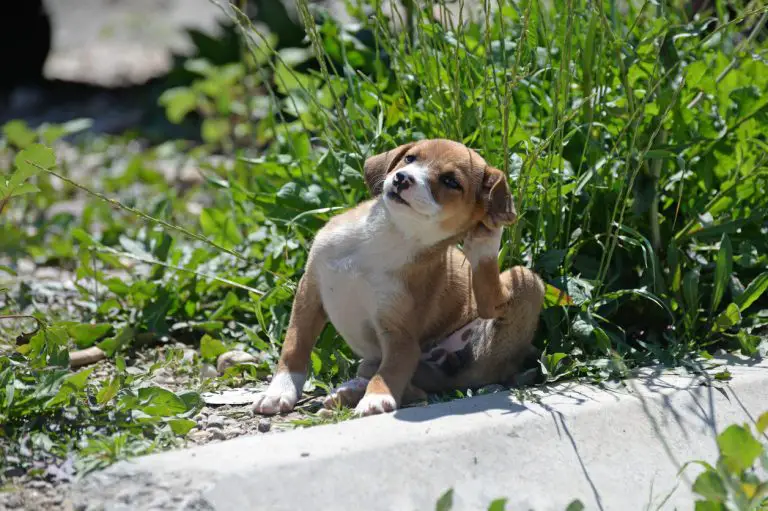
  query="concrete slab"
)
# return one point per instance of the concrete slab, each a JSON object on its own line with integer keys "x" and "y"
{"x": 617, "y": 449}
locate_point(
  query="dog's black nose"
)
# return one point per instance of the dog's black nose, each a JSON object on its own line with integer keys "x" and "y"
{"x": 402, "y": 180}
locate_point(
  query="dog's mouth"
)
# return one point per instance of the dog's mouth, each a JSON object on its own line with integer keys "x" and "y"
{"x": 397, "y": 198}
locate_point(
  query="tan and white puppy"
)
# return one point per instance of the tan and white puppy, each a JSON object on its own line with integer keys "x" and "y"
{"x": 422, "y": 314}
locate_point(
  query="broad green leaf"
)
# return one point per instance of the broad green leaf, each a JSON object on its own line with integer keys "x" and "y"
{"x": 178, "y": 102}
{"x": 498, "y": 505}
{"x": 85, "y": 335}
{"x": 554, "y": 297}
{"x": 724, "y": 376}
{"x": 230, "y": 302}
{"x": 602, "y": 339}
{"x": 445, "y": 502}
{"x": 583, "y": 326}
{"x": 108, "y": 391}
{"x": 209, "y": 225}
{"x": 710, "y": 486}
{"x": 731, "y": 316}
{"x": 754, "y": 290}
{"x": 211, "y": 348}
{"x": 157, "y": 401}
{"x": 18, "y": 134}
{"x": 317, "y": 363}
{"x": 116, "y": 343}
{"x": 192, "y": 400}
{"x": 748, "y": 343}
{"x": 708, "y": 505}
{"x": 181, "y": 426}
{"x": 28, "y": 163}
{"x": 723, "y": 268}
{"x": 656, "y": 154}
{"x": 23, "y": 189}
{"x": 762, "y": 423}
{"x": 232, "y": 233}
{"x": 71, "y": 385}
{"x": 575, "y": 505}
{"x": 738, "y": 448}
{"x": 214, "y": 130}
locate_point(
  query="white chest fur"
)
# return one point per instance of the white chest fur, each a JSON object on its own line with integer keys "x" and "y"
{"x": 356, "y": 264}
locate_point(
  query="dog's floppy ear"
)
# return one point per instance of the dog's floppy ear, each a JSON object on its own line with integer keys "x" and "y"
{"x": 377, "y": 167}
{"x": 497, "y": 200}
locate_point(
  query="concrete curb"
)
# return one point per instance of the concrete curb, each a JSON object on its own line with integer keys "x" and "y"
{"x": 617, "y": 449}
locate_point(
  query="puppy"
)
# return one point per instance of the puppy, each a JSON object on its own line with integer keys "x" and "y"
{"x": 422, "y": 314}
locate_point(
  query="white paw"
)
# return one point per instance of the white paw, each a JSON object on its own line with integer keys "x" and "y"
{"x": 348, "y": 393}
{"x": 281, "y": 396}
{"x": 482, "y": 244}
{"x": 373, "y": 404}
{"x": 270, "y": 404}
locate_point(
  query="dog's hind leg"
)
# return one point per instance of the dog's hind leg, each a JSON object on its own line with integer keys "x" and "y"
{"x": 505, "y": 341}
{"x": 352, "y": 391}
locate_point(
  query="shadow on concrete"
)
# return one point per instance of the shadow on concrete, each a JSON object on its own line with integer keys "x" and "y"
{"x": 467, "y": 406}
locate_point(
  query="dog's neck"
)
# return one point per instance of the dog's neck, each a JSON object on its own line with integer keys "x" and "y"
{"x": 382, "y": 226}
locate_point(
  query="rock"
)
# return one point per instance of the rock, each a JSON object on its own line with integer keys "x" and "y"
{"x": 234, "y": 432}
{"x": 208, "y": 371}
{"x": 38, "y": 484}
{"x": 264, "y": 425}
{"x": 231, "y": 358}
{"x": 199, "y": 436}
{"x": 215, "y": 421}
{"x": 12, "y": 501}
{"x": 164, "y": 377}
{"x": 217, "y": 434}
{"x": 325, "y": 413}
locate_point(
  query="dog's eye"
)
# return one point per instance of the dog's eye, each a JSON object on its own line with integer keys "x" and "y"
{"x": 409, "y": 158}
{"x": 450, "y": 181}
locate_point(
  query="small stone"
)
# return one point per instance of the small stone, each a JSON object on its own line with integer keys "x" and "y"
{"x": 13, "y": 501}
{"x": 38, "y": 484}
{"x": 231, "y": 358}
{"x": 215, "y": 421}
{"x": 199, "y": 436}
{"x": 217, "y": 434}
{"x": 208, "y": 371}
{"x": 325, "y": 413}
{"x": 264, "y": 425}
{"x": 234, "y": 432}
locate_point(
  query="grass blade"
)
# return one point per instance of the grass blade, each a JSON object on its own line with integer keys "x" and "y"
{"x": 754, "y": 290}
{"x": 722, "y": 271}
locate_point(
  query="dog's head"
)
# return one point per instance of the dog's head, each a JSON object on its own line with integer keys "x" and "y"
{"x": 440, "y": 184}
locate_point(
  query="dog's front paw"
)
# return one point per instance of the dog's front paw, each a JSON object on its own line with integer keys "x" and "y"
{"x": 482, "y": 243}
{"x": 348, "y": 393}
{"x": 281, "y": 396}
{"x": 375, "y": 403}
{"x": 271, "y": 404}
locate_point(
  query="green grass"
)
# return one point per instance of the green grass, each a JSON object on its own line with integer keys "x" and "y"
{"x": 635, "y": 141}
